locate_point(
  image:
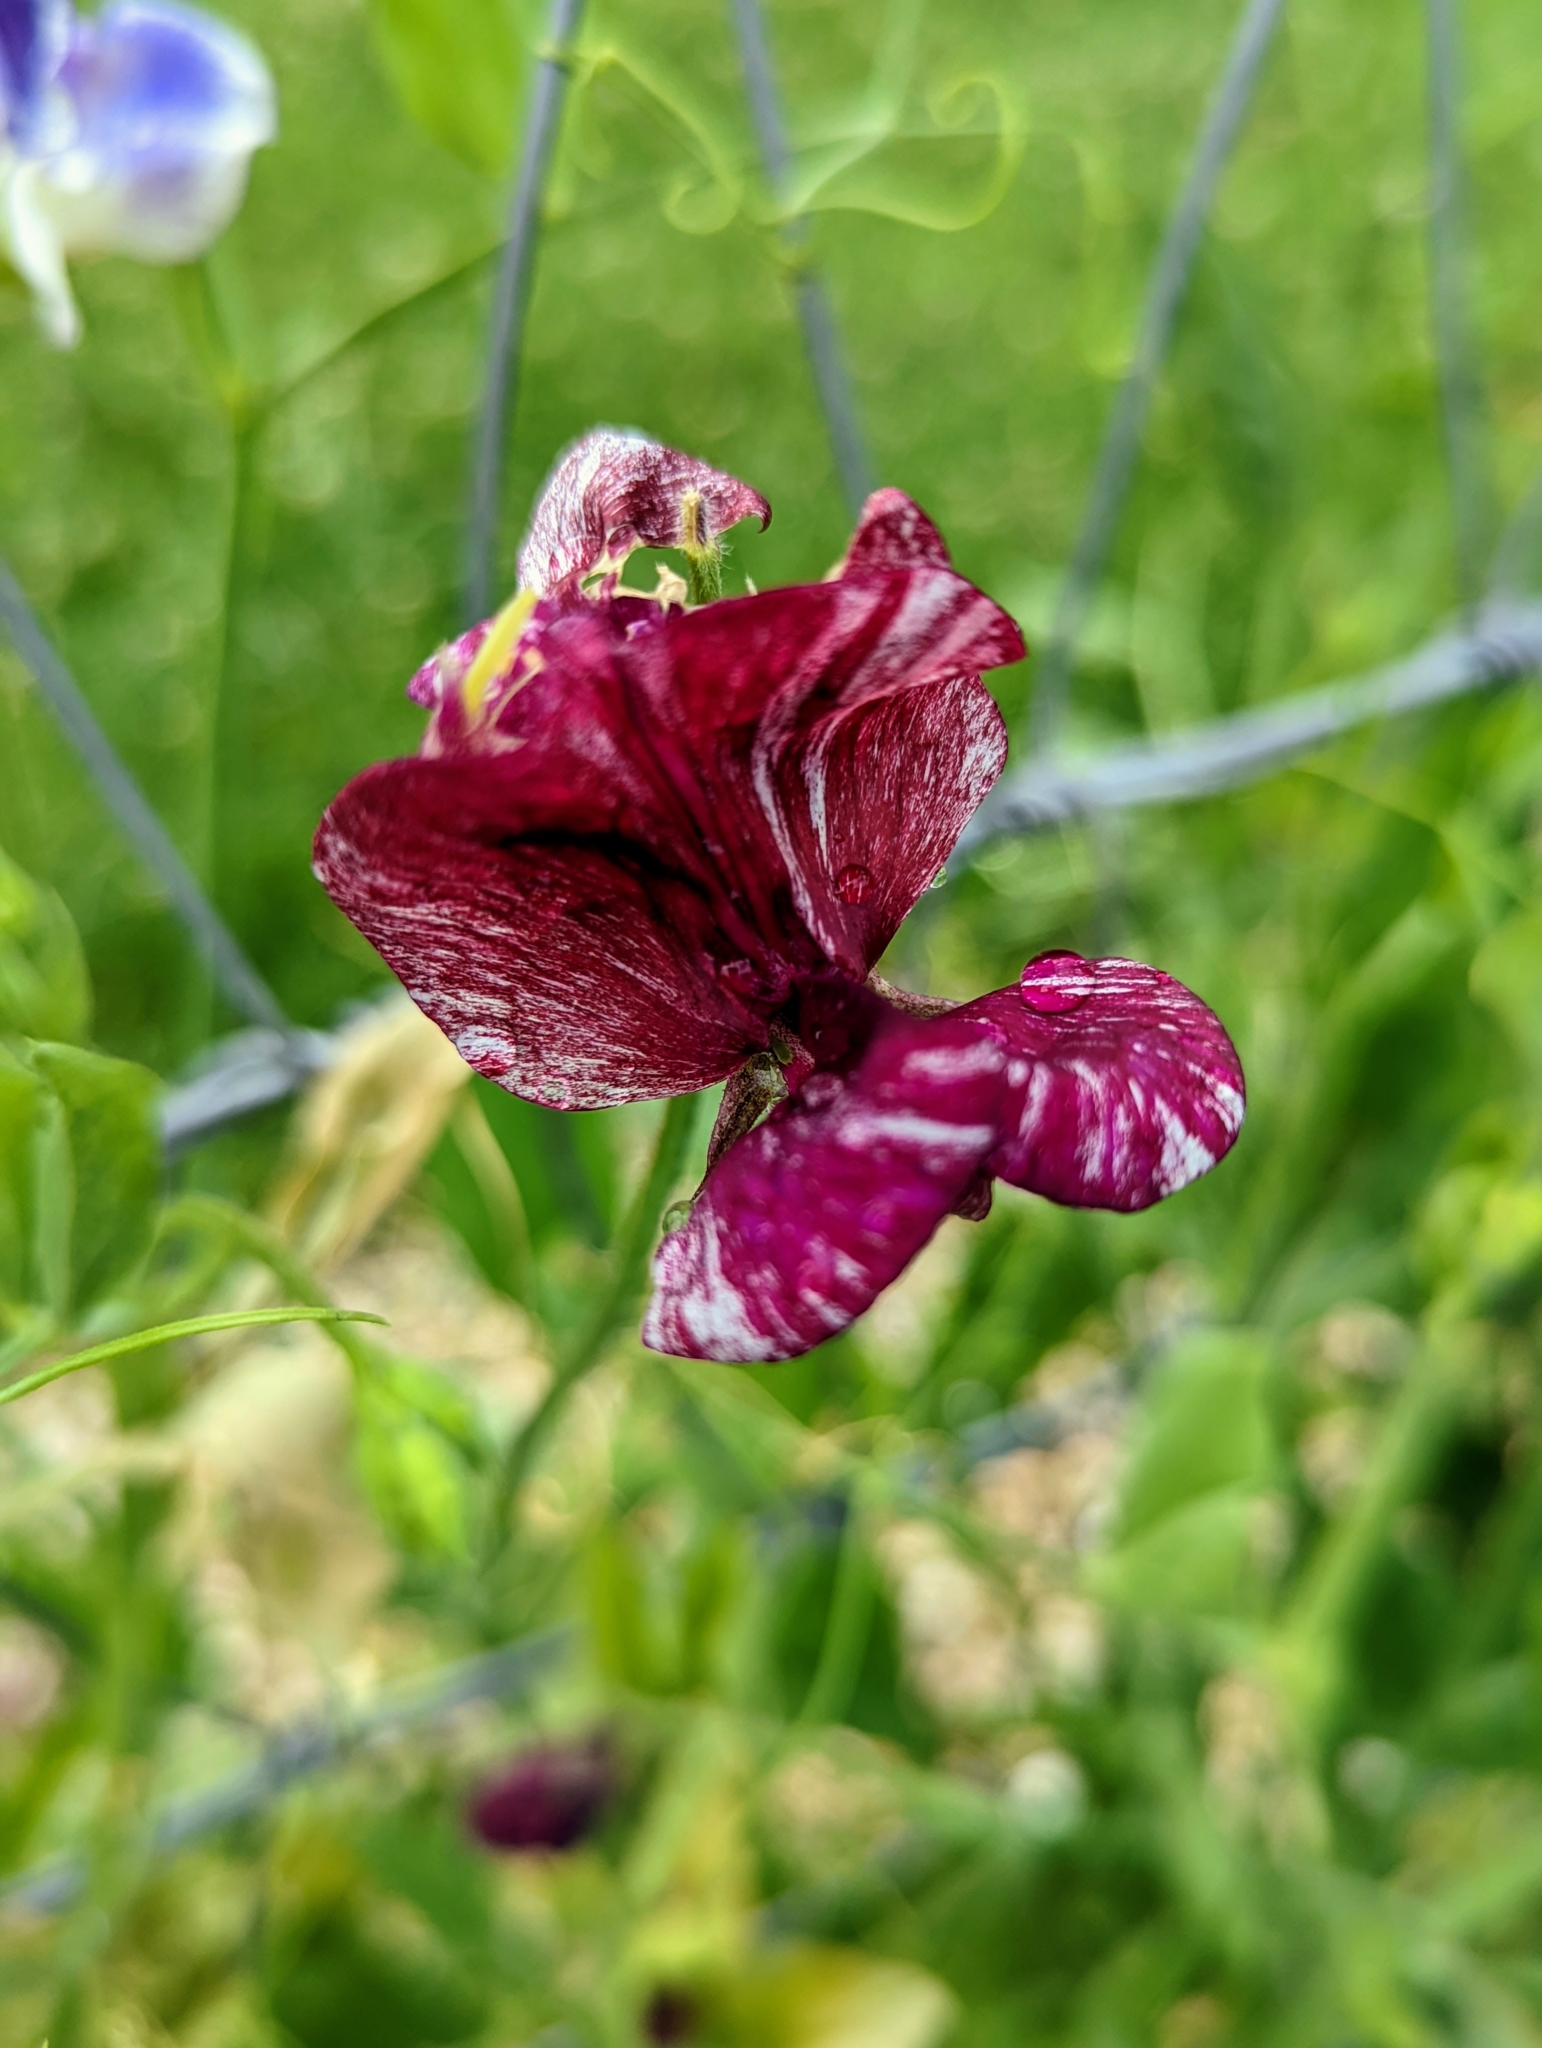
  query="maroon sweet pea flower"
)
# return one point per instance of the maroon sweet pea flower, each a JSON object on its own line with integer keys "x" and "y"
{"x": 649, "y": 846}
{"x": 549, "y": 1798}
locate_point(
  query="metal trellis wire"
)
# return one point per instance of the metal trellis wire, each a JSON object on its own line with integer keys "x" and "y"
{"x": 821, "y": 337}
{"x": 511, "y": 302}
{"x": 304, "y": 1748}
{"x": 1165, "y": 294}
{"x": 239, "y": 981}
{"x": 1464, "y": 402}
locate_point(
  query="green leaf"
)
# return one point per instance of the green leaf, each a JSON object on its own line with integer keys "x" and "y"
{"x": 107, "y": 1108}
{"x": 44, "y": 988}
{"x": 1506, "y": 977}
{"x": 418, "y": 1439}
{"x": 20, "y": 1097}
{"x": 80, "y": 1165}
{"x": 1203, "y": 1558}
{"x": 1205, "y": 1427}
{"x": 458, "y": 67}
{"x": 168, "y": 1333}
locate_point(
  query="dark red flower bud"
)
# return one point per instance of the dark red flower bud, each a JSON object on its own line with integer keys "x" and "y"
{"x": 549, "y": 1798}
{"x": 671, "y": 2015}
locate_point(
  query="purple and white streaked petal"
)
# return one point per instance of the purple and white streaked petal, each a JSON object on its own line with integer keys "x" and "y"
{"x": 614, "y": 491}
{"x": 570, "y": 971}
{"x": 804, "y": 1222}
{"x": 169, "y": 105}
{"x": 867, "y": 807}
{"x": 1122, "y": 1087}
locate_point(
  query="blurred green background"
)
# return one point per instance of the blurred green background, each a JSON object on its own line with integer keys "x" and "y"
{"x": 1129, "y": 1633}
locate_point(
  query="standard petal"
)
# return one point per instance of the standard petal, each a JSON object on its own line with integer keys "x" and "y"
{"x": 871, "y": 802}
{"x": 802, "y": 1223}
{"x": 33, "y": 37}
{"x": 169, "y": 106}
{"x": 763, "y": 707}
{"x": 570, "y": 967}
{"x": 894, "y": 533}
{"x": 614, "y": 491}
{"x": 1122, "y": 1087}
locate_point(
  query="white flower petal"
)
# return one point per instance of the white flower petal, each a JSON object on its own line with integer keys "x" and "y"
{"x": 31, "y": 242}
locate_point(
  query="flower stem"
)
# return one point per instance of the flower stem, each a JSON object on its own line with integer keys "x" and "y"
{"x": 629, "y": 1259}
{"x": 1332, "y": 1595}
{"x": 848, "y": 1623}
{"x": 511, "y": 299}
{"x": 703, "y": 574}
{"x": 703, "y": 555}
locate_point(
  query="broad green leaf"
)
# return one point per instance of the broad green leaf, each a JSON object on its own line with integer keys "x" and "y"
{"x": 20, "y": 1095}
{"x": 632, "y": 1640}
{"x": 80, "y": 1166}
{"x": 1204, "y": 1427}
{"x": 458, "y": 66}
{"x": 44, "y": 988}
{"x": 1202, "y": 1558}
{"x": 106, "y": 1108}
{"x": 807, "y": 1997}
{"x": 1506, "y": 977}
{"x": 417, "y": 1439}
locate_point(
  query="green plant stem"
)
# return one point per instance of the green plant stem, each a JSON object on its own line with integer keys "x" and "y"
{"x": 1333, "y": 1593}
{"x": 168, "y": 1333}
{"x": 629, "y": 1259}
{"x": 847, "y": 1623}
{"x": 703, "y": 573}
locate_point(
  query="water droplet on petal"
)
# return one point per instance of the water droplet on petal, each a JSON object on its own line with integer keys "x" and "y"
{"x": 940, "y": 879}
{"x": 676, "y": 1216}
{"x": 852, "y": 884}
{"x": 1056, "y": 982}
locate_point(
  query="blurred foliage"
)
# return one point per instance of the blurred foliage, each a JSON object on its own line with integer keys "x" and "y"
{"x": 1130, "y": 1633}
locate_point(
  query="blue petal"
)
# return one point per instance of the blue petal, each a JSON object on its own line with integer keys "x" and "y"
{"x": 33, "y": 34}
{"x": 168, "y": 106}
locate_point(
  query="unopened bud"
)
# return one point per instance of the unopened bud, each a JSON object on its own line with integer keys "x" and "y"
{"x": 549, "y": 1798}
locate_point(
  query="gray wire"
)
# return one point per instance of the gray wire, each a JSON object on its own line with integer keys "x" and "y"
{"x": 300, "y": 1752}
{"x": 1503, "y": 644}
{"x": 511, "y": 302}
{"x": 1464, "y": 402}
{"x": 238, "y": 1075}
{"x": 821, "y": 337}
{"x": 1164, "y": 297}
{"x": 243, "y": 987}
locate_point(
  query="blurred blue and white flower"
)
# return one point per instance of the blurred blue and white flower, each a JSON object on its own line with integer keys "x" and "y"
{"x": 128, "y": 132}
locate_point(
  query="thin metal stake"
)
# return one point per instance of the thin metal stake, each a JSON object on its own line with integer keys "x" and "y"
{"x": 1164, "y": 296}
{"x": 1464, "y": 404}
{"x": 243, "y": 987}
{"x": 821, "y": 337}
{"x": 511, "y": 302}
